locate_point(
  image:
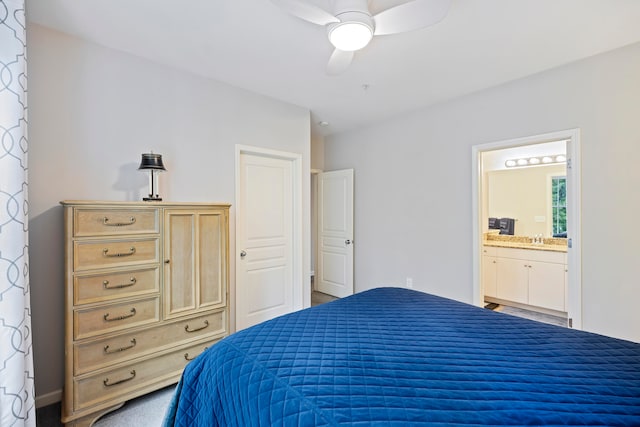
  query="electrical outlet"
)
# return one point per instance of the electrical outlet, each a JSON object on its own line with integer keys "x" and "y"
{"x": 410, "y": 282}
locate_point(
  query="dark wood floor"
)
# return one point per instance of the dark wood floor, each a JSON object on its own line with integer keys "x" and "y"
{"x": 48, "y": 416}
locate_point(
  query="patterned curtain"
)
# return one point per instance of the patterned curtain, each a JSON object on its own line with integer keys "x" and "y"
{"x": 17, "y": 393}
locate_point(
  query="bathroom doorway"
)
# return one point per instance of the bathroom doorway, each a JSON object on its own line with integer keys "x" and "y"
{"x": 531, "y": 151}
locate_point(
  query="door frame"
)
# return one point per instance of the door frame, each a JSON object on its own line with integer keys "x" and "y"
{"x": 574, "y": 228}
{"x": 314, "y": 223}
{"x": 299, "y": 284}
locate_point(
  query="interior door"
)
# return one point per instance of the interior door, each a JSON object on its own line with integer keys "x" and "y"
{"x": 265, "y": 238}
{"x": 335, "y": 233}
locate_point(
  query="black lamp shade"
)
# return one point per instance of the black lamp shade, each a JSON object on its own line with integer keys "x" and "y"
{"x": 151, "y": 161}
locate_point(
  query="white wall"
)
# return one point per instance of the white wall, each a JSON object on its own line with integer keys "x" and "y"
{"x": 413, "y": 186}
{"x": 92, "y": 112}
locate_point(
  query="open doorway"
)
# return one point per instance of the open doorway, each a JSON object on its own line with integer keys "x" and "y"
{"x": 512, "y": 214}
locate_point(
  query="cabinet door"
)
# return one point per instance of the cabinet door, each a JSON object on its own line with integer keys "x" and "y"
{"x": 180, "y": 261}
{"x": 195, "y": 273}
{"x": 546, "y": 285}
{"x": 489, "y": 264}
{"x": 512, "y": 280}
{"x": 212, "y": 254}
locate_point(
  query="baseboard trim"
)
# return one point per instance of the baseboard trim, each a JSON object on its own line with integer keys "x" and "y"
{"x": 49, "y": 398}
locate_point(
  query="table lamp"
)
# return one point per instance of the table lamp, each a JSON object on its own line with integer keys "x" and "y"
{"x": 153, "y": 163}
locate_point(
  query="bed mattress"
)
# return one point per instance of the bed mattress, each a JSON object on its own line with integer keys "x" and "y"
{"x": 398, "y": 357}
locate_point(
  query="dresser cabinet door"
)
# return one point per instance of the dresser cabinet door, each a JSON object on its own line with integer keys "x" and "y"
{"x": 194, "y": 259}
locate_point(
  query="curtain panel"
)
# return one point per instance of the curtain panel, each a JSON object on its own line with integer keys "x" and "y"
{"x": 17, "y": 393}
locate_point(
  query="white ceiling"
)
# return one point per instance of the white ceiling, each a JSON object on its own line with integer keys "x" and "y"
{"x": 254, "y": 45}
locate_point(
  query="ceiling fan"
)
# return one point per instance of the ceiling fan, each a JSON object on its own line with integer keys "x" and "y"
{"x": 351, "y": 26}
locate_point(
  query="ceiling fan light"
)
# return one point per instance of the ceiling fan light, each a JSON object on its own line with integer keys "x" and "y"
{"x": 349, "y": 36}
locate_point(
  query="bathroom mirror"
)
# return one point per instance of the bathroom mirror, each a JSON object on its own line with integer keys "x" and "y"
{"x": 526, "y": 194}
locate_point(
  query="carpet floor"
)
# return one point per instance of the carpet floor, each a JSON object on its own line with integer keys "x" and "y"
{"x": 145, "y": 411}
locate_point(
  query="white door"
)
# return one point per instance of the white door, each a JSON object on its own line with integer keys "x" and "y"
{"x": 335, "y": 233}
{"x": 266, "y": 240}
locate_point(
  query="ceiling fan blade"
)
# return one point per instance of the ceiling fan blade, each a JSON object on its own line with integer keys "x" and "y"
{"x": 339, "y": 62}
{"x": 410, "y": 16}
{"x": 306, "y": 11}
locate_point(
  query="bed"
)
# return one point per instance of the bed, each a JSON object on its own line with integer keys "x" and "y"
{"x": 399, "y": 357}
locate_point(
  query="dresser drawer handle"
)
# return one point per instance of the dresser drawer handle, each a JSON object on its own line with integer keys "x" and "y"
{"x": 206, "y": 324}
{"x": 118, "y": 350}
{"x": 106, "y": 222}
{"x": 107, "y": 384}
{"x": 105, "y": 252}
{"x": 132, "y": 282}
{"x": 124, "y": 316}
{"x": 188, "y": 359}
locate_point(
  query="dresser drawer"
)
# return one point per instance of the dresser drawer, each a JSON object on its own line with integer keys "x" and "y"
{"x": 121, "y": 383}
{"x": 106, "y": 352}
{"x": 115, "y": 317}
{"x": 109, "y": 286}
{"x": 108, "y": 222}
{"x": 114, "y": 253}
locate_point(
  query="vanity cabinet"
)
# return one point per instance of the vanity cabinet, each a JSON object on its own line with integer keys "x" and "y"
{"x": 526, "y": 276}
{"x": 146, "y": 288}
{"x": 547, "y": 285}
{"x": 489, "y": 271}
{"x": 512, "y": 280}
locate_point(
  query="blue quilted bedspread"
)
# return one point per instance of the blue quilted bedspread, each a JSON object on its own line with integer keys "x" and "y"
{"x": 397, "y": 357}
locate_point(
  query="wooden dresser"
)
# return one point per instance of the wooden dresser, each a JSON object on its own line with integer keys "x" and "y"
{"x": 146, "y": 291}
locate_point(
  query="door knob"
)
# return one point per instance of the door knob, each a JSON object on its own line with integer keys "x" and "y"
{"x": 347, "y": 242}
{"x": 243, "y": 254}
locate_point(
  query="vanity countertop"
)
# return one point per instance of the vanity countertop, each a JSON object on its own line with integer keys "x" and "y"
{"x": 523, "y": 242}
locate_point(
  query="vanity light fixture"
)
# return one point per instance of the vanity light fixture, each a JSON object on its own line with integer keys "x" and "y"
{"x": 153, "y": 163}
{"x": 533, "y": 161}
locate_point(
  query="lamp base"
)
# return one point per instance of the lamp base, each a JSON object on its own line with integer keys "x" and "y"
{"x": 152, "y": 199}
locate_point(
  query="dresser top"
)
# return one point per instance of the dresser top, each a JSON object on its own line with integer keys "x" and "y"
{"x": 109, "y": 203}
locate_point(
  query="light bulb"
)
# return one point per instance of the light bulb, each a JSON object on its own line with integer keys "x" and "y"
{"x": 350, "y": 36}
